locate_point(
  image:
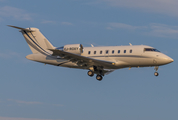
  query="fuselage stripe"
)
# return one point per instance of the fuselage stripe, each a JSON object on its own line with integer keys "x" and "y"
{"x": 137, "y": 56}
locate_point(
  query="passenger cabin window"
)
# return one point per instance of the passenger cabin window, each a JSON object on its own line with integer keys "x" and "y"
{"x": 130, "y": 51}
{"x": 107, "y": 51}
{"x": 151, "y": 50}
{"x": 88, "y": 52}
{"x": 112, "y": 51}
{"x": 124, "y": 51}
{"x": 119, "y": 51}
{"x": 101, "y": 52}
{"x": 94, "y": 52}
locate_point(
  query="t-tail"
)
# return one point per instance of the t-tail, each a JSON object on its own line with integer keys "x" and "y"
{"x": 36, "y": 40}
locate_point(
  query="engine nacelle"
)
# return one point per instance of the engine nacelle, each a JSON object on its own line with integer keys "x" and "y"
{"x": 74, "y": 48}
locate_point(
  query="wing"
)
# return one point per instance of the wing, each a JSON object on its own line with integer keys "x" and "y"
{"x": 84, "y": 61}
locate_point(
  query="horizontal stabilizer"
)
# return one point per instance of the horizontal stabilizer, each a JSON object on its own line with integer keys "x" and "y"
{"x": 28, "y": 30}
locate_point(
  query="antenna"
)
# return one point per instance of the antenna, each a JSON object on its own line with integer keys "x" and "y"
{"x": 92, "y": 45}
{"x": 130, "y": 44}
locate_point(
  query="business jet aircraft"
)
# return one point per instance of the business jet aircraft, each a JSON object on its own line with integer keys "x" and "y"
{"x": 98, "y": 60}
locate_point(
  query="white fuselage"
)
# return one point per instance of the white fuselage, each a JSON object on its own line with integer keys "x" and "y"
{"x": 98, "y": 60}
{"x": 121, "y": 56}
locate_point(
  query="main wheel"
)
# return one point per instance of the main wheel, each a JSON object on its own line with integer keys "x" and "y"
{"x": 156, "y": 73}
{"x": 90, "y": 73}
{"x": 99, "y": 77}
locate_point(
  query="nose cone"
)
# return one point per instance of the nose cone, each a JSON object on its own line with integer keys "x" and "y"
{"x": 170, "y": 60}
{"x": 167, "y": 60}
{"x": 164, "y": 59}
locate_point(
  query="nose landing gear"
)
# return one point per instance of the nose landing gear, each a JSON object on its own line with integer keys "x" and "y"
{"x": 156, "y": 73}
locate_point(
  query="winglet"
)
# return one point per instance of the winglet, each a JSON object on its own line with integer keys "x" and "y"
{"x": 25, "y": 29}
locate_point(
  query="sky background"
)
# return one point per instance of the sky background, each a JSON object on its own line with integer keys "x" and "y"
{"x": 34, "y": 91}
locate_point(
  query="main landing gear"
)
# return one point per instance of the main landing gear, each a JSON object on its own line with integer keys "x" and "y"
{"x": 156, "y": 73}
{"x": 98, "y": 77}
{"x": 90, "y": 73}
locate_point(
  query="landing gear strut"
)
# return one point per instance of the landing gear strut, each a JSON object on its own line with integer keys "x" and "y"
{"x": 156, "y": 73}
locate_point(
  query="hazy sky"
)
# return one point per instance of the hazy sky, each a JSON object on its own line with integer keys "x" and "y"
{"x": 34, "y": 91}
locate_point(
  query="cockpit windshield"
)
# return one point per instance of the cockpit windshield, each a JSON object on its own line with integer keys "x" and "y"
{"x": 151, "y": 49}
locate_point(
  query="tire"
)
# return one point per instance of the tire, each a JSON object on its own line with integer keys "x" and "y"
{"x": 99, "y": 77}
{"x": 156, "y": 73}
{"x": 90, "y": 73}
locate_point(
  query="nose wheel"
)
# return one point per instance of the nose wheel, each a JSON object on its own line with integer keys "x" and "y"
{"x": 156, "y": 73}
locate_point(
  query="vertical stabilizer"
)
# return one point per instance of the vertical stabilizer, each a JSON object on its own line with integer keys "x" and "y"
{"x": 36, "y": 40}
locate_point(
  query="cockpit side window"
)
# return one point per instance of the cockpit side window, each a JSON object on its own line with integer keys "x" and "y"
{"x": 151, "y": 50}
